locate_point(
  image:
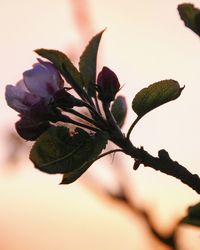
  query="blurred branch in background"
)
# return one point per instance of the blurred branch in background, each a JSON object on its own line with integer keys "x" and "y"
{"x": 83, "y": 19}
{"x": 124, "y": 195}
{"x": 16, "y": 147}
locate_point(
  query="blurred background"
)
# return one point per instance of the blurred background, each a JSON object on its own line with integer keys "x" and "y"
{"x": 111, "y": 206}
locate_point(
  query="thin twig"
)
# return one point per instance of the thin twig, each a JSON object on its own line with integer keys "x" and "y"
{"x": 111, "y": 120}
{"x": 167, "y": 240}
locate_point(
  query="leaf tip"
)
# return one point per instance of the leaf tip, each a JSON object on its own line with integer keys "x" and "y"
{"x": 39, "y": 51}
{"x": 64, "y": 182}
{"x": 182, "y": 88}
{"x": 101, "y": 32}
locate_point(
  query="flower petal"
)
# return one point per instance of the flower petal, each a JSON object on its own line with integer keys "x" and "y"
{"x": 55, "y": 74}
{"x": 43, "y": 80}
{"x": 14, "y": 97}
{"x": 20, "y": 84}
{"x": 19, "y": 99}
{"x": 37, "y": 80}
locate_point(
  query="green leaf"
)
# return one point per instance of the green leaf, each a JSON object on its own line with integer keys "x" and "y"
{"x": 87, "y": 64}
{"x": 193, "y": 217}
{"x": 64, "y": 66}
{"x": 119, "y": 110}
{"x": 57, "y": 151}
{"x": 191, "y": 16}
{"x": 71, "y": 176}
{"x": 155, "y": 95}
{"x": 97, "y": 144}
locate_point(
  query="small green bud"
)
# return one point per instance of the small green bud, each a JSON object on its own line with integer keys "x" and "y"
{"x": 119, "y": 110}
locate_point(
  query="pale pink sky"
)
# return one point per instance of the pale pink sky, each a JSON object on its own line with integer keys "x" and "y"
{"x": 145, "y": 42}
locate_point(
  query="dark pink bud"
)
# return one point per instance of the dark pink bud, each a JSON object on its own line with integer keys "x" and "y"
{"x": 108, "y": 85}
{"x": 30, "y": 130}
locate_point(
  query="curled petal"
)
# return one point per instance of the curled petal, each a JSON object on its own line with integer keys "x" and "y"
{"x": 55, "y": 74}
{"x": 33, "y": 96}
{"x": 18, "y": 99}
{"x": 21, "y": 85}
{"x": 14, "y": 97}
{"x": 43, "y": 80}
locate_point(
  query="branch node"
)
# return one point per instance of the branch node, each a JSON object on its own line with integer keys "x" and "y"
{"x": 163, "y": 155}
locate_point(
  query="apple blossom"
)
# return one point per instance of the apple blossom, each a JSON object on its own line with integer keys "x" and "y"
{"x": 38, "y": 86}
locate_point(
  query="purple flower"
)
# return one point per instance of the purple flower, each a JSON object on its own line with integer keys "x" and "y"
{"x": 33, "y": 96}
{"x": 38, "y": 86}
{"x": 108, "y": 85}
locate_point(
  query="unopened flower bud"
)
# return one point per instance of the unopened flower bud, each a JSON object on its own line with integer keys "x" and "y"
{"x": 30, "y": 130}
{"x": 108, "y": 85}
{"x": 119, "y": 110}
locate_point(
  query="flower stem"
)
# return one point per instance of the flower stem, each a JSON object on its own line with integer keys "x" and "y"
{"x": 67, "y": 119}
{"x": 97, "y": 105}
{"x": 111, "y": 120}
{"x": 109, "y": 152}
{"x": 132, "y": 126}
{"x": 87, "y": 119}
{"x": 95, "y": 114}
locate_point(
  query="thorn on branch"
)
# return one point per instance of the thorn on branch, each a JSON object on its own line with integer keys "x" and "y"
{"x": 137, "y": 160}
{"x": 136, "y": 164}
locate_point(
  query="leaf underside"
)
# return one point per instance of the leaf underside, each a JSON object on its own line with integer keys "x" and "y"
{"x": 57, "y": 151}
{"x": 155, "y": 95}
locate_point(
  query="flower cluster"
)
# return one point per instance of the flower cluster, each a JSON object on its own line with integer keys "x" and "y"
{"x": 37, "y": 98}
{"x": 40, "y": 97}
{"x": 42, "y": 100}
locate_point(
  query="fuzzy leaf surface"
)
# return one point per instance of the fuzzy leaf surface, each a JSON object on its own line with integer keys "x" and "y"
{"x": 155, "y": 95}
